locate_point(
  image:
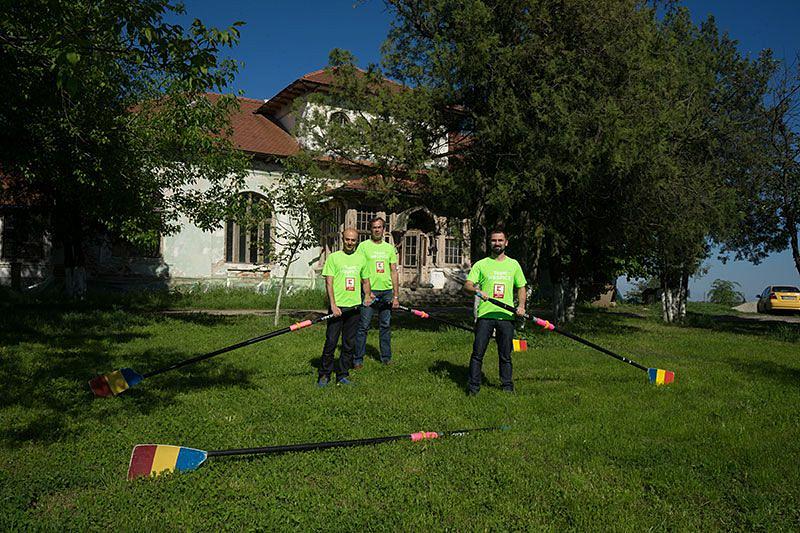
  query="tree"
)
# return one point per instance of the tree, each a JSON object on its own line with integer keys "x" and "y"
{"x": 297, "y": 195}
{"x": 105, "y": 117}
{"x": 724, "y": 292}
{"x": 768, "y": 206}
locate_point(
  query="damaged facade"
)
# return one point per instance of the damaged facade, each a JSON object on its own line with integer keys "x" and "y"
{"x": 429, "y": 245}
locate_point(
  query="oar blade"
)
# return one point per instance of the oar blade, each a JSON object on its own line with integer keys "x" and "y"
{"x": 659, "y": 376}
{"x": 153, "y": 459}
{"x": 520, "y": 345}
{"x": 115, "y": 382}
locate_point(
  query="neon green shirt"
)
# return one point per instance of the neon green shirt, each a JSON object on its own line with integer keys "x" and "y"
{"x": 347, "y": 271}
{"x": 379, "y": 257}
{"x": 498, "y": 279}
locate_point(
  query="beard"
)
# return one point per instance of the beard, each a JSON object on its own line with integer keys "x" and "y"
{"x": 498, "y": 249}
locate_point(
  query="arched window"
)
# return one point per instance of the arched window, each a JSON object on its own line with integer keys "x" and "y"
{"x": 250, "y": 243}
{"x": 340, "y": 118}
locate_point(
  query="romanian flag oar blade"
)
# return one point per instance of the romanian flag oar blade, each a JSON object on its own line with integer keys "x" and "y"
{"x": 154, "y": 459}
{"x": 520, "y": 345}
{"x": 119, "y": 381}
{"x": 655, "y": 375}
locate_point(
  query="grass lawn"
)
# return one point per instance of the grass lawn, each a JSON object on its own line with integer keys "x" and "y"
{"x": 591, "y": 444}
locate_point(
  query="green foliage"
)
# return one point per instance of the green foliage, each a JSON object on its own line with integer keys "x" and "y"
{"x": 105, "y": 118}
{"x": 724, "y": 292}
{"x": 591, "y": 446}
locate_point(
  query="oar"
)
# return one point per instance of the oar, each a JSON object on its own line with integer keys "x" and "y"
{"x": 153, "y": 459}
{"x": 655, "y": 375}
{"x": 119, "y": 381}
{"x": 520, "y": 345}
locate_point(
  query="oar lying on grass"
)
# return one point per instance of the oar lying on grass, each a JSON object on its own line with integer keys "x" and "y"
{"x": 119, "y": 381}
{"x": 655, "y": 375}
{"x": 520, "y": 345}
{"x": 153, "y": 459}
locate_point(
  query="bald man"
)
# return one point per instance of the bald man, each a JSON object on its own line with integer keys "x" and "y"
{"x": 346, "y": 275}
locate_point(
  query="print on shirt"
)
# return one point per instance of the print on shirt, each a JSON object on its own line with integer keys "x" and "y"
{"x": 349, "y": 284}
{"x": 379, "y": 267}
{"x": 499, "y": 290}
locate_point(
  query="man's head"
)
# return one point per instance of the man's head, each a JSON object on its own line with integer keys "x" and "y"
{"x": 498, "y": 240}
{"x": 377, "y": 227}
{"x": 350, "y": 239}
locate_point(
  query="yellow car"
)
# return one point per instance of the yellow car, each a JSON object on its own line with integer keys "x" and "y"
{"x": 779, "y": 298}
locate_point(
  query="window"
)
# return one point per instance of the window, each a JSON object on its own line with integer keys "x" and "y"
{"x": 363, "y": 218}
{"x": 410, "y": 251}
{"x": 452, "y": 251}
{"x": 331, "y": 230}
{"x": 340, "y": 118}
{"x": 453, "y": 244}
{"x": 252, "y": 243}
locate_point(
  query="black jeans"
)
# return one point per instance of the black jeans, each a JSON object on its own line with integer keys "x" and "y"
{"x": 505, "y": 344}
{"x": 346, "y": 325}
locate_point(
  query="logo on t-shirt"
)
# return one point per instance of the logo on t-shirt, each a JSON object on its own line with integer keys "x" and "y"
{"x": 379, "y": 267}
{"x": 349, "y": 284}
{"x": 499, "y": 290}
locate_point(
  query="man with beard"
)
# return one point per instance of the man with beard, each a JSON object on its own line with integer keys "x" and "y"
{"x": 382, "y": 267}
{"x": 346, "y": 276}
{"x": 496, "y": 276}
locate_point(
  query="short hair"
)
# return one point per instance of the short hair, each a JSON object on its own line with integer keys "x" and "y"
{"x": 498, "y": 229}
{"x": 376, "y": 219}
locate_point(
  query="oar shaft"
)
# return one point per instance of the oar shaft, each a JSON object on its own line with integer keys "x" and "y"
{"x": 236, "y": 346}
{"x": 572, "y": 336}
{"x": 341, "y": 443}
{"x": 424, "y": 314}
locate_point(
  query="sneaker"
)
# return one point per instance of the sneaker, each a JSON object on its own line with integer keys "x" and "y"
{"x": 358, "y": 366}
{"x": 322, "y": 381}
{"x": 472, "y": 392}
{"x": 388, "y": 363}
{"x": 344, "y": 381}
{"x": 510, "y": 390}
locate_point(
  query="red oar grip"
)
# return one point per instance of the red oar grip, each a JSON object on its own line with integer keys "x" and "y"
{"x": 424, "y": 435}
{"x": 300, "y": 325}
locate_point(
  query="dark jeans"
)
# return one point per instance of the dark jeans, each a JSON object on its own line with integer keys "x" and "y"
{"x": 505, "y": 344}
{"x": 383, "y": 305}
{"x": 346, "y": 326}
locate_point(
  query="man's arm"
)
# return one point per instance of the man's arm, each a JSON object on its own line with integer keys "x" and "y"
{"x": 329, "y": 288}
{"x": 395, "y": 285}
{"x": 368, "y": 296}
{"x": 522, "y": 295}
{"x": 472, "y": 289}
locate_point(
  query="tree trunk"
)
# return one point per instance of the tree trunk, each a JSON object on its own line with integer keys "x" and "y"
{"x": 74, "y": 261}
{"x": 282, "y": 286}
{"x": 559, "y": 312}
{"x": 570, "y": 299}
{"x": 791, "y": 225}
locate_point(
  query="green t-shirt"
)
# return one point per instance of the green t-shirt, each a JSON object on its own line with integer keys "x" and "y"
{"x": 379, "y": 258}
{"x": 498, "y": 279}
{"x": 347, "y": 271}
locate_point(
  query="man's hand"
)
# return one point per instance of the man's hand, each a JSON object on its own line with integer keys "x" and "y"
{"x": 395, "y": 303}
{"x": 482, "y": 295}
{"x": 336, "y": 310}
{"x": 369, "y": 299}
{"x": 520, "y": 311}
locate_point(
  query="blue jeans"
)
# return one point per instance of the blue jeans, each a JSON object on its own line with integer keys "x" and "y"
{"x": 382, "y": 304}
{"x": 504, "y": 331}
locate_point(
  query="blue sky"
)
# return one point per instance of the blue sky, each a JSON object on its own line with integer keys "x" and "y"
{"x": 283, "y": 40}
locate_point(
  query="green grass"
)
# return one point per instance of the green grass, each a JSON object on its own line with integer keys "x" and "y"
{"x": 591, "y": 445}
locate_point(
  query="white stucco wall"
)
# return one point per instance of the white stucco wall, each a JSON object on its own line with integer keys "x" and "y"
{"x": 193, "y": 253}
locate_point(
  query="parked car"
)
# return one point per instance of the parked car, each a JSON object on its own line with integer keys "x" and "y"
{"x": 779, "y": 298}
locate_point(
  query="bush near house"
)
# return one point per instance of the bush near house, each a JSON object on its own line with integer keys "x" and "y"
{"x": 591, "y": 445}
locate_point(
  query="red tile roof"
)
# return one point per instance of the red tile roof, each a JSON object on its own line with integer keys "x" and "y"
{"x": 257, "y": 134}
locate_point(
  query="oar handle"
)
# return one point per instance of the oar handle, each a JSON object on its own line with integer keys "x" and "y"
{"x": 271, "y": 334}
{"x": 420, "y": 435}
{"x": 547, "y": 325}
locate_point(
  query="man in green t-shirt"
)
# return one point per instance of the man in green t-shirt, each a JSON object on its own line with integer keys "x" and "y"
{"x": 346, "y": 276}
{"x": 382, "y": 267}
{"x": 495, "y": 277}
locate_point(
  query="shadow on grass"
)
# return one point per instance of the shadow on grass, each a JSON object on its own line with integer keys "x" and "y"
{"x": 47, "y": 384}
{"x": 774, "y": 329}
{"x": 458, "y": 374}
{"x": 783, "y": 374}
